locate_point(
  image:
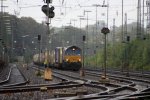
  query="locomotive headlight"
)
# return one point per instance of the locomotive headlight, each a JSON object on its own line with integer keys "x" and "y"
{"x": 79, "y": 60}
{"x": 67, "y": 59}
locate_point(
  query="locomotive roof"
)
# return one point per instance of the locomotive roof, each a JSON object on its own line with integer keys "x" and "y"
{"x": 69, "y": 47}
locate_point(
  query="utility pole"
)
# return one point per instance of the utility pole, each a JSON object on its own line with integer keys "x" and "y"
{"x": 39, "y": 42}
{"x": 87, "y": 38}
{"x": 96, "y": 5}
{"x": 2, "y": 34}
{"x": 96, "y": 38}
{"x": 86, "y": 11}
{"x": 74, "y": 42}
{"x": 1, "y": 30}
{"x": 125, "y": 27}
{"x": 122, "y": 35}
{"x": 148, "y": 17}
{"x": 114, "y": 30}
{"x": 48, "y": 22}
{"x": 82, "y": 70}
{"x": 125, "y": 44}
{"x": 143, "y": 16}
{"x": 107, "y": 12}
{"x": 23, "y": 47}
{"x": 139, "y": 20}
{"x": 113, "y": 37}
{"x": 12, "y": 40}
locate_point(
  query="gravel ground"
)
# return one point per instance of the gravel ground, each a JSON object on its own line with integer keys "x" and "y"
{"x": 31, "y": 75}
{"x": 39, "y": 95}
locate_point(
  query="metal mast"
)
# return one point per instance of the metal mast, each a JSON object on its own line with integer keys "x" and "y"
{"x": 143, "y": 22}
{"x": 114, "y": 30}
{"x": 148, "y": 17}
{"x": 122, "y": 35}
{"x": 139, "y": 20}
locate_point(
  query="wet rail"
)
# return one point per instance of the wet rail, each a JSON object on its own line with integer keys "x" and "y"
{"x": 14, "y": 78}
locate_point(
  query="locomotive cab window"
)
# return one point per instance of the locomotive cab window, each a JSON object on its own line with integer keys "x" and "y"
{"x": 73, "y": 51}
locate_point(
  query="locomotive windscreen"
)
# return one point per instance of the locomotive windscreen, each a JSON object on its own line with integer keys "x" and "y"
{"x": 73, "y": 51}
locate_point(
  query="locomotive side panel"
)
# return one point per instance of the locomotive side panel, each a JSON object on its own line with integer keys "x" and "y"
{"x": 58, "y": 57}
{"x": 52, "y": 58}
{"x": 39, "y": 59}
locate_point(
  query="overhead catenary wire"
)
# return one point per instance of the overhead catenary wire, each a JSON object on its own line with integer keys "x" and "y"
{"x": 68, "y": 8}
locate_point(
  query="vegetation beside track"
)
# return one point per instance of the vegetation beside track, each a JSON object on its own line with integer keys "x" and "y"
{"x": 135, "y": 54}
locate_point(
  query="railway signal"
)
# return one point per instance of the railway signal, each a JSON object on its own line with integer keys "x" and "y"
{"x": 39, "y": 58}
{"x": 105, "y": 30}
{"x": 39, "y": 37}
{"x": 128, "y": 38}
{"x": 48, "y": 1}
{"x": 48, "y": 11}
{"x": 82, "y": 72}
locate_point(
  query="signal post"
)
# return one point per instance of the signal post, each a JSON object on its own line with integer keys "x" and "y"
{"x": 105, "y": 31}
{"x": 82, "y": 71}
{"x": 49, "y": 12}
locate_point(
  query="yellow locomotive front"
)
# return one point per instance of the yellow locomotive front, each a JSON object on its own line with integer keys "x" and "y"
{"x": 72, "y": 58}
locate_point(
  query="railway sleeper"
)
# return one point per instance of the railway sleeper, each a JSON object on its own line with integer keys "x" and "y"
{"x": 104, "y": 80}
{"x": 69, "y": 94}
{"x": 63, "y": 94}
{"x": 43, "y": 89}
{"x": 143, "y": 97}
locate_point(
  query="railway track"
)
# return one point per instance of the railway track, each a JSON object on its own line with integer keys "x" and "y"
{"x": 76, "y": 78}
{"x": 14, "y": 78}
{"x": 120, "y": 76}
{"x": 6, "y": 79}
{"x": 132, "y": 82}
{"x": 96, "y": 76}
{"x": 71, "y": 86}
{"x": 145, "y": 75}
{"x": 119, "y": 91}
{"x": 116, "y": 88}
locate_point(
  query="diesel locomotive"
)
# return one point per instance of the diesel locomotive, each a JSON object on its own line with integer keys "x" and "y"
{"x": 67, "y": 58}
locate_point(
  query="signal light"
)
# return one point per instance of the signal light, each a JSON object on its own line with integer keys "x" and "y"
{"x": 83, "y": 37}
{"x": 48, "y": 11}
{"x": 105, "y": 30}
{"x": 128, "y": 38}
{"x": 3, "y": 42}
{"x": 39, "y": 37}
{"x": 48, "y": 1}
{"x": 144, "y": 38}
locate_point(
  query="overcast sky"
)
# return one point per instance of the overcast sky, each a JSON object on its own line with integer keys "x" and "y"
{"x": 66, "y": 10}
